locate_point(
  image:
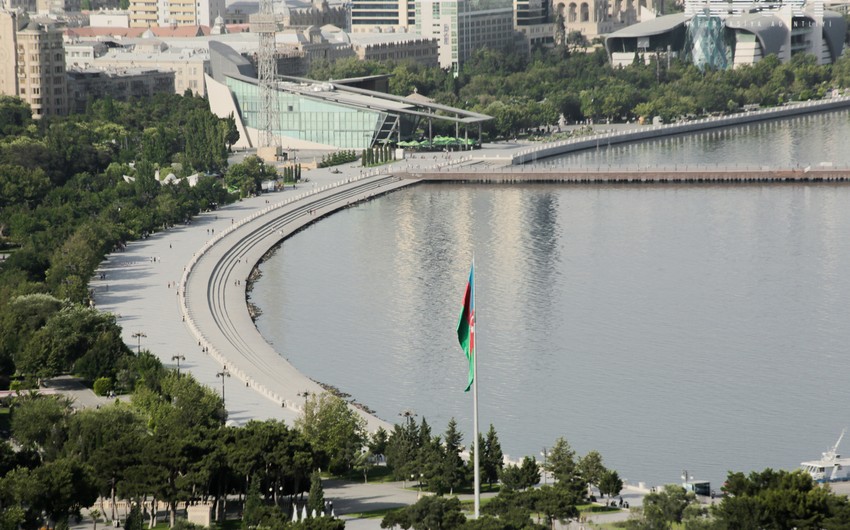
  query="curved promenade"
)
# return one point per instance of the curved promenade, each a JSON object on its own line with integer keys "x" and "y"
{"x": 649, "y": 132}
{"x": 181, "y": 294}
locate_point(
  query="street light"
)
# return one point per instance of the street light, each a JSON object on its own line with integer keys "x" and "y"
{"x": 408, "y": 413}
{"x": 545, "y": 455}
{"x": 138, "y": 335}
{"x": 222, "y": 374}
{"x": 178, "y": 358}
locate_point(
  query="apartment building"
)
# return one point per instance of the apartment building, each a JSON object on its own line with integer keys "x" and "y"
{"x": 32, "y": 63}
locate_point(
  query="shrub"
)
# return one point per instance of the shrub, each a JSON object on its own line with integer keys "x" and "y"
{"x": 102, "y": 386}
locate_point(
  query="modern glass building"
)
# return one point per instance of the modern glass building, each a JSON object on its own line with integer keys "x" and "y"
{"x": 312, "y": 119}
{"x": 727, "y": 35}
{"x": 463, "y": 26}
{"x": 323, "y": 115}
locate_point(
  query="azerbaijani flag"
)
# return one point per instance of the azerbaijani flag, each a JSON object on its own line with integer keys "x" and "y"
{"x": 466, "y": 326}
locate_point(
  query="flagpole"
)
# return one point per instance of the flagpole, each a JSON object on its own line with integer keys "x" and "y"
{"x": 476, "y": 452}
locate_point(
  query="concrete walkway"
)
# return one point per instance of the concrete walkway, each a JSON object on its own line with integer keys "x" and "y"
{"x": 141, "y": 284}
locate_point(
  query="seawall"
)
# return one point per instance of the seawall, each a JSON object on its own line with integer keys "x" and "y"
{"x": 649, "y": 132}
{"x": 634, "y": 175}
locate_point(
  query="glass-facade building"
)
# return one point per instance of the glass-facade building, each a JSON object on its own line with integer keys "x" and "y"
{"x": 463, "y": 26}
{"x": 311, "y": 119}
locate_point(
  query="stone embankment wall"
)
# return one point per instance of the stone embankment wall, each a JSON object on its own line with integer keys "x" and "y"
{"x": 669, "y": 176}
{"x": 649, "y": 132}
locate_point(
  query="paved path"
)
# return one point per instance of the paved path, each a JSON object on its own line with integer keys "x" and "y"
{"x": 141, "y": 286}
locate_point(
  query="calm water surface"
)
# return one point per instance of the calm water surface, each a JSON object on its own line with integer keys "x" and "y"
{"x": 668, "y": 327}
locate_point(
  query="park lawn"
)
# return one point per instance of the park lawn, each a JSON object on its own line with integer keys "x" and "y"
{"x": 374, "y": 514}
{"x": 377, "y": 474}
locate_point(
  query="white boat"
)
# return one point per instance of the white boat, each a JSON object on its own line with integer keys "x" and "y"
{"x": 831, "y": 467}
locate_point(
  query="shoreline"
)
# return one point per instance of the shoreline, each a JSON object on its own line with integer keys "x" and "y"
{"x": 135, "y": 285}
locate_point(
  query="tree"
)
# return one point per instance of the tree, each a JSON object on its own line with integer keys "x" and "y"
{"x": 378, "y": 442}
{"x": 561, "y": 462}
{"x": 591, "y": 468}
{"x": 781, "y": 500}
{"x": 316, "y": 497}
{"x": 520, "y": 477}
{"x": 669, "y": 506}
{"x": 610, "y": 483}
{"x": 109, "y": 440}
{"x": 248, "y": 175}
{"x": 554, "y": 504}
{"x": 453, "y": 469}
{"x": 253, "y": 512}
{"x": 333, "y": 429}
{"x": 39, "y": 422}
{"x": 431, "y": 512}
{"x": 402, "y": 448}
{"x": 492, "y": 460}
{"x": 15, "y": 115}
{"x": 59, "y": 489}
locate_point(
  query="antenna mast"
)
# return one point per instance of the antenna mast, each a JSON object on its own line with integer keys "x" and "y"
{"x": 265, "y": 25}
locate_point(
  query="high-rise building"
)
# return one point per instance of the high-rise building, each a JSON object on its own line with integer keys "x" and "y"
{"x": 533, "y": 18}
{"x": 381, "y": 15}
{"x": 463, "y": 26}
{"x": 148, "y": 13}
{"x": 32, "y": 63}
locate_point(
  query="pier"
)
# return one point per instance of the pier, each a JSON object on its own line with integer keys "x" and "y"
{"x": 627, "y": 175}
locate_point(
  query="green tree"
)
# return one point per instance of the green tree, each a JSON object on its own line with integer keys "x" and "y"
{"x": 554, "y": 503}
{"x": 248, "y": 175}
{"x": 492, "y": 458}
{"x": 429, "y": 513}
{"x": 610, "y": 483}
{"x": 333, "y": 429}
{"x": 591, "y": 469}
{"x": 781, "y": 500}
{"x": 402, "y": 448}
{"x": 454, "y": 470}
{"x": 15, "y": 115}
{"x": 40, "y": 423}
{"x": 521, "y": 477}
{"x": 669, "y": 506}
{"x": 59, "y": 489}
{"x": 316, "y": 497}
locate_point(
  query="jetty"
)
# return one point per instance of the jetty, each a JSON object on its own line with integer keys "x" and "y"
{"x": 632, "y": 175}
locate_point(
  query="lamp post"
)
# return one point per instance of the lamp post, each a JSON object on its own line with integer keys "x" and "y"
{"x": 545, "y": 455}
{"x": 222, "y": 374}
{"x": 408, "y": 413}
{"x": 178, "y": 358}
{"x": 138, "y": 336}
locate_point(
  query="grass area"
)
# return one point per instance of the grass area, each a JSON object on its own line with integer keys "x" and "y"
{"x": 377, "y": 474}
{"x": 595, "y": 508}
{"x": 375, "y": 514}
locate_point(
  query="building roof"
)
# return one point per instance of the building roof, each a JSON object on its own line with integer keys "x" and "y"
{"x": 656, "y": 26}
{"x": 178, "y": 31}
{"x": 369, "y": 99}
{"x": 768, "y": 28}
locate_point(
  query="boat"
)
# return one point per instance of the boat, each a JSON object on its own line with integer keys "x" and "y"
{"x": 831, "y": 467}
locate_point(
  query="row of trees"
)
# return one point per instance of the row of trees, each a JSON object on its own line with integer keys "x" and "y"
{"x": 73, "y": 189}
{"x": 778, "y": 500}
{"x": 378, "y": 154}
{"x": 522, "y": 95}
{"x": 336, "y": 158}
{"x": 168, "y": 444}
